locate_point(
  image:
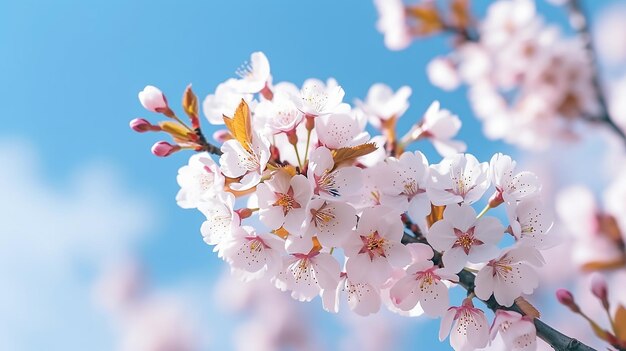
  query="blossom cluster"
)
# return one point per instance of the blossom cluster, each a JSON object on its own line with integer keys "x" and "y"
{"x": 527, "y": 82}
{"x": 304, "y": 196}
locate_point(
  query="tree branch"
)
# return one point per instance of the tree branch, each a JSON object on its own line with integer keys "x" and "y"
{"x": 553, "y": 337}
{"x": 580, "y": 23}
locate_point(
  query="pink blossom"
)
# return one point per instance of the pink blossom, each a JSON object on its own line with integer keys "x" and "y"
{"x": 392, "y": 23}
{"x": 510, "y": 275}
{"x": 443, "y": 73}
{"x": 283, "y": 201}
{"x": 518, "y": 332}
{"x": 374, "y": 248}
{"x": 200, "y": 180}
{"x": 318, "y": 99}
{"x": 332, "y": 183}
{"x": 458, "y": 179}
{"x": 253, "y": 76}
{"x": 409, "y": 179}
{"x": 253, "y": 254}
{"x": 307, "y": 274}
{"x": 247, "y": 162}
{"x": 511, "y": 187}
{"x": 221, "y": 219}
{"x": 382, "y": 104}
{"x": 331, "y": 222}
{"x": 423, "y": 283}
{"x": 470, "y": 330}
{"x": 463, "y": 238}
{"x": 363, "y": 298}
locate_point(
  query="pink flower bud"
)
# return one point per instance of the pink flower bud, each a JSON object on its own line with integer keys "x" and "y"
{"x": 152, "y": 99}
{"x": 140, "y": 125}
{"x": 567, "y": 299}
{"x": 222, "y": 136}
{"x": 163, "y": 149}
{"x": 598, "y": 287}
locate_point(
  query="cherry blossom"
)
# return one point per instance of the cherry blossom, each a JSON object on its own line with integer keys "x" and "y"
{"x": 199, "y": 180}
{"x": 339, "y": 130}
{"x": 382, "y": 104}
{"x": 374, "y": 248}
{"x": 254, "y": 75}
{"x": 332, "y": 183}
{"x": 318, "y": 99}
{"x": 470, "y": 330}
{"x": 510, "y": 275}
{"x": 221, "y": 219}
{"x": 423, "y": 283}
{"x": 223, "y": 102}
{"x": 246, "y": 161}
{"x": 300, "y": 166}
{"x": 307, "y": 274}
{"x": 280, "y": 114}
{"x": 443, "y": 73}
{"x": 529, "y": 223}
{"x": 458, "y": 179}
{"x": 363, "y": 298}
{"x": 410, "y": 174}
{"x": 510, "y": 187}
{"x": 518, "y": 332}
{"x": 255, "y": 255}
{"x": 392, "y": 23}
{"x": 331, "y": 222}
{"x": 440, "y": 126}
{"x": 463, "y": 238}
{"x": 283, "y": 201}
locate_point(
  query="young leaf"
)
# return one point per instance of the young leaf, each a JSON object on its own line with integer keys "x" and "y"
{"x": 190, "y": 104}
{"x": 436, "y": 214}
{"x": 240, "y": 126}
{"x": 351, "y": 153}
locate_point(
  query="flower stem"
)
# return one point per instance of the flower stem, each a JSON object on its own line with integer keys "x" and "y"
{"x": 482, "y": 213}
{"x": 306, "y": 150}
{"x": 295, "y": 147}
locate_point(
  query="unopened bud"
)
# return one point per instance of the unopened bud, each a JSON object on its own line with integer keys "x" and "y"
{"x": 222, "y": 136}
{"x": 292, "y": 137}
{"x": 567, "y": 299}
{"x": 599, "y": 288}
{"x": 496, "y": 200}
{"x": 244, "y": 213}
{"x": 141, "y": 125}
{"x": 152, "y": 99}
{"x": 163, "y": 148}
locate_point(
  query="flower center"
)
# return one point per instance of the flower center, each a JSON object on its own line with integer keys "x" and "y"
{"x": 315, "y": 97}
{"x": 321, "y": 216}
{"x": 373, "y": 245}
{"x": 286, "y": 201}
{"x": 411, "y": 189}
{"x": 326, "y": 183}
{"x": 466, "y": 240}
{"x": 245, "y": 71}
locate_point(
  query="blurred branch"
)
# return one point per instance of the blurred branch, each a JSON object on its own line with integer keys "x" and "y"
{"x": 580, "y": 23}
{"x": 553, "y": 337}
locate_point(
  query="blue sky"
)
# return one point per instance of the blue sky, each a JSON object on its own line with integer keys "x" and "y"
{"x": 70, "y": 72}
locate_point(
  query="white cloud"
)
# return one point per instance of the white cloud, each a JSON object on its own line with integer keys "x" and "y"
{"x": 53, "y": 239}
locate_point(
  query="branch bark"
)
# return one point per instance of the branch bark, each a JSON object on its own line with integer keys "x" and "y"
{"x": 554, "y": 338}
{"x": 580, "y": 23}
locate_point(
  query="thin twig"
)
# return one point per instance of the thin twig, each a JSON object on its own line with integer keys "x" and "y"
{"x": 580, "y": 23}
